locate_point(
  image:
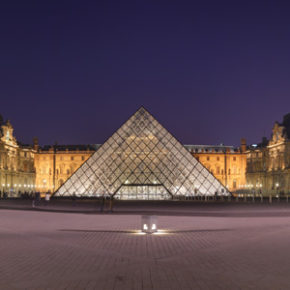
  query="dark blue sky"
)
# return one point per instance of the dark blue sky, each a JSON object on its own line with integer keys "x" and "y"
{"x": 209, "y": 71}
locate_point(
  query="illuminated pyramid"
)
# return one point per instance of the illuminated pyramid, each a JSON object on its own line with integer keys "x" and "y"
{"x": 143, "y": 161}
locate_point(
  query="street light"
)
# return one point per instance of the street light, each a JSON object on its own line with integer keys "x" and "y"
{"x": 277, "y": 189}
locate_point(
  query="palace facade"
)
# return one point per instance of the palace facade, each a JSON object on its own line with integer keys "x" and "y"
{"x": 17, "y": 171}
{"x": 268, "y": 163}
{"x": 227, "y": 163}
{"x": 46, "y": 168}
{"x": 55, "y": 164}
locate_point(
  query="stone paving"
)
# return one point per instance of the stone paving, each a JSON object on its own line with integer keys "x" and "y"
{"x": 216, "y": 249}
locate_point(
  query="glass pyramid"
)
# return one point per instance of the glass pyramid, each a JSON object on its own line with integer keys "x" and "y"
{"x": 143, "y": 161}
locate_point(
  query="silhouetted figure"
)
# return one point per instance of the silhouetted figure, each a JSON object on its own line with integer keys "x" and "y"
{"x": 215, "y": 195}
{"x": 74, "y": 198}
{"x": 102, "y": 204}
{"x": 37, "y": 198}
{"x": 47, "y": 198}
{"x": 111, "y": 203}
{"x": 33, "y": 199}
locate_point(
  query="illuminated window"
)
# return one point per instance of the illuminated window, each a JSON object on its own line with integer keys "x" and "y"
{"x": 60, "y": 183}
{"x": 234, "y": 184}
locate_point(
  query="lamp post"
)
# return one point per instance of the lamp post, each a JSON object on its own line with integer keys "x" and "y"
{"x": 277, "y": 190}
{"x": 260, "y": 192}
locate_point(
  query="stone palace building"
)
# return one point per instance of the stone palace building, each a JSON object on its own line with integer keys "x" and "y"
{"x": 268, "y": 163}
{"x": 256, "y": 169}
{"x": 17, "y": 169}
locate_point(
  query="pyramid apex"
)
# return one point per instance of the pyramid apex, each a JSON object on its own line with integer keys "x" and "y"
{"x": 142, "y": 108}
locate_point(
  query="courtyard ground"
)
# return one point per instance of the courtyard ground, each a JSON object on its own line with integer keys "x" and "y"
{"x": 223, "y": 246}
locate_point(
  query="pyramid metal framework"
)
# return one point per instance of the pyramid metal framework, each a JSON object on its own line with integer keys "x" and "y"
{"x": 142, "y": 161}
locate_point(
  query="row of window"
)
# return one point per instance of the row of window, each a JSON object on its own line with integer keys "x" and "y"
{"x": 61, "y": 158}
{"x": 49, "y": 171}
{"x": 218, "y": 158}
{"x": 221, "y": 171}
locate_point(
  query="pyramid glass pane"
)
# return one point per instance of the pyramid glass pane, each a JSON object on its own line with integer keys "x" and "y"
{"x": 143, "y": 161}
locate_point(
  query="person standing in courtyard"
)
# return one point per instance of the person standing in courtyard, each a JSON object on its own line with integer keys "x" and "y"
{"x": 111, "y": 203}
{"x": 102, "y": 204}
{"x": 47, "y": 198}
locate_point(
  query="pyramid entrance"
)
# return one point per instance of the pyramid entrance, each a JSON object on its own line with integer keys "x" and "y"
{"x": 142, "y": 192}
{"x": 142, "y": 160}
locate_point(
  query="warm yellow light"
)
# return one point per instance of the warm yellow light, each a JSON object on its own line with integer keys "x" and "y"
{"x": 139, "y": 233}
{"x": 161, "y": 232}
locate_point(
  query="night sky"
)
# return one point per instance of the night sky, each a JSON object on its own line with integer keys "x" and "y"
{"x": 210, "y": 71}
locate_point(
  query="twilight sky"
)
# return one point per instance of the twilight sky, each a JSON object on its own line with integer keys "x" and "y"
{"x": 209, "y": 71}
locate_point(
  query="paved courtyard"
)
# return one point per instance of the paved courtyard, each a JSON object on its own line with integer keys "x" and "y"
{"x": 218, "y": 247}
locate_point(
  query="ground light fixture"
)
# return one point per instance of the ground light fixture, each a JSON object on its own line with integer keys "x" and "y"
{"x": 149, "y": 224}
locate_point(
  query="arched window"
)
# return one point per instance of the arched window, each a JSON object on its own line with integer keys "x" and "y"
{"x": 67, "y": 171}
{"x": 61, "y": 169}
{"x": 234, "y": 184}
{"x": 218, "y": 170}
{"x": 60, "y": 183}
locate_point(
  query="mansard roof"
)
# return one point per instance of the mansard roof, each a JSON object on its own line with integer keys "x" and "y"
{"x": 80, "y": 147}
{"x": 210, "y": 148}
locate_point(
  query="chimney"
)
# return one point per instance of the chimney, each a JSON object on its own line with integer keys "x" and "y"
{"x": 264, "y": 141}
{"x": 243, "y": 145}
{"x": 35, "y": 144}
